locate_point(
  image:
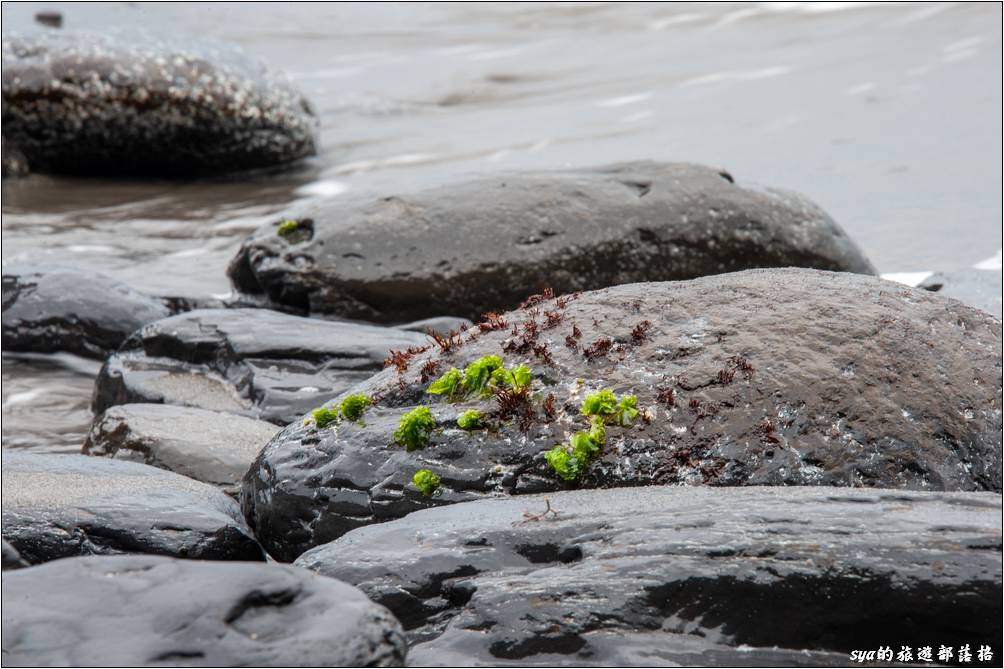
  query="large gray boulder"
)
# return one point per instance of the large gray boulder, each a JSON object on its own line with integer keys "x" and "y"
{"x": 481, "y": 245}
{"x": 671, "y": 575}
{"x": 764, "y": 377}
{"x": 257, "y": 362}
{"x": 47, "y": 309}
{"x": 209, "y": 446}
{"x": 57, "y": 506}
{"x": 131, "y": 103}
{"x": 153, "y": 611}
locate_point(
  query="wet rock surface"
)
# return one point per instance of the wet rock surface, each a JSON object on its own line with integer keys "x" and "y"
{"x": 209, "y": 446}
{"x": 11, "y": 558}
{"x": 976, "y": 287}
{"x": 156, "y": 611}
{"x": 57, "y": 506}
{"x": 693, "y": 576}
{"x": 256, "y": 362}
{"x": 486, "y": 244}
{"x": 47, "y": 309}
{"x": 765, "y": 377}
{"x": 128, "y": 103}
{"x": 441, "y": 325}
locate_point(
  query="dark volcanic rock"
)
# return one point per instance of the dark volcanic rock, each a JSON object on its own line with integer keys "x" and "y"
{"x": 47, "y": 309}
{"x": 257, "y": 362}
{"x": 678, "y": 575}
{"x": 133, "y": 103}
{"x": 765, "y": 377}
{"x": 484, "y": 245}
{"x": 153, "y": 611}
{"x": 976, "y": 287}
{"x": 57, "y": 506}
{"x": 209, "y": 446}
{"x": 11, "y": 558}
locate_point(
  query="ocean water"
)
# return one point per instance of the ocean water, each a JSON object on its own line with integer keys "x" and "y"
{"x": 887, "y": 115}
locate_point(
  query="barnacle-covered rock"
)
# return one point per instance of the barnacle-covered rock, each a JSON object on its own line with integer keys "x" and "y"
{"x": 485, "y": 244}
{"x": 763, "y": 377}
{"x": 133, "y": 103}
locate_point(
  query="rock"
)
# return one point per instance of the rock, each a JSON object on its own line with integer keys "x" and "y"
{"x": 14, "y": 164}
{"x": 209, "y": 446}
{"x": 11, "y": 558}
{"x": 441, "y": 325}
{"x": 976, "y": 287}
{"x": 49, "y": 18}
{"x": 132, "y": 103}
{"x": 48, "y": 309}
{"x": 484, "y": 245}
{"x": 156, "y": 611}
{"x": 763, "y": 377}
{"x": 57, "y": 506}
{"x": 672, "y": 575}
{"x": 616, "y": 648}
{"x": 260, "y": 363}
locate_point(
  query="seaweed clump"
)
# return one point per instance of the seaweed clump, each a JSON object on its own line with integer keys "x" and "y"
{"x": 287, "y": 227}
{"x": 570, "y": 461}
{"x": 415, "y": 428}
{"x": 448, "y": 384}
{"x": 426, "y": 481}
{"x": 351, "y": 408}
{"x": 470, "y": 420}
{"x": 606, "y": 406}
{"x": 484, "y": 376}
{"x": 354, "y": 406}
{"x": 323, "y": 417}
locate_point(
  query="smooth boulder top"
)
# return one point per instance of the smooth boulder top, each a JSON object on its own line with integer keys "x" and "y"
{"x": 484, "y": 245}
{"x": 677, "y": 575}
{"x": 133, "y": 102}
{"x": 209, "y": 446}
{"x": 256, "y": 362}
{"x": 57, "y": 506}
{"x": 51, "y": 308}
{"x": 155, "y": 611}
{"x": 763, "y": 377}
